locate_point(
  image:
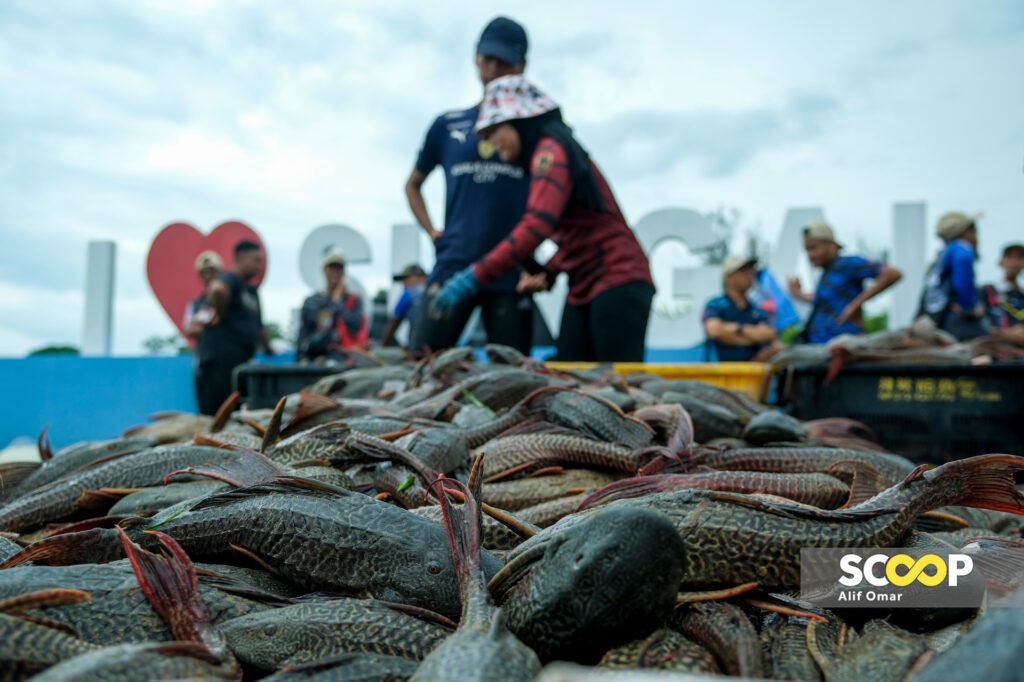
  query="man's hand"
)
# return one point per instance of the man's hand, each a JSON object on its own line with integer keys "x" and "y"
{"x": 531, "y": 284}
{"x": 795, "y": 287}
{"x": 462, "y": 286}
{"x": 434, "y": 234}
{"x": 849, "y": 312}
{"x": 338, "y": 292}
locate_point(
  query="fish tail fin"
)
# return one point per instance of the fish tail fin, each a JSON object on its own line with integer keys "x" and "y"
{"x": 625, "y": 489}
{"x": 986, "y": 482}
{"x": 95, "y": 546}
{"x": 169, "y": 581}
{"x": 463, "y": 525}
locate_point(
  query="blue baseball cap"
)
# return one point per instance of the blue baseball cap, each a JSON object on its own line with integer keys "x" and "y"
{"x": 503, "y": 39}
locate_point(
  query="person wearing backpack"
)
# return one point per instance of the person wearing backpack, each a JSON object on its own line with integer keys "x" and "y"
{"x": 950, "y": 295}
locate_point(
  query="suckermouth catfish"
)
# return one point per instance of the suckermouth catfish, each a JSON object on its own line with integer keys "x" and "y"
{"x": 732, "y": 539}
{"x": 147, "y": 468}
{"x": 311, "y": 533}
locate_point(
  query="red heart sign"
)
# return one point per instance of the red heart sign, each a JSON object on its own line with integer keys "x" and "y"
{"x": 171, "y": 264}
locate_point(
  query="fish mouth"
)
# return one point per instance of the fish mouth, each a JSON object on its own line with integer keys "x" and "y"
{"x": 516, "y": 569}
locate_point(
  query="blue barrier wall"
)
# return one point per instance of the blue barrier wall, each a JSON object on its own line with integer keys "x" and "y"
{"x": 89, "y": 398}
{"x": 98, "y": 398}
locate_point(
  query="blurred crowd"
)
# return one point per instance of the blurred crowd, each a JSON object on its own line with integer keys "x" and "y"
{"x": 515, "y": 176}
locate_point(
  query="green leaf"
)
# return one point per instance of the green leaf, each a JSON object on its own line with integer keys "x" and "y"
{"x": 408, "y": 483}
{"x": 476, "y": 401}
{"x": 156, "y": 526}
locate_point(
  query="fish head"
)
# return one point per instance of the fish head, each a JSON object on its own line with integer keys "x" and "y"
{"x": 266, "y": 639}
{"x": 598, "y": 583}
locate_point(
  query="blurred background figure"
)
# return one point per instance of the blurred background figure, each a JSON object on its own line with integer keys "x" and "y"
{"x": 837, "y": 302}
{"x": 199, "y": 311}
{"x": 332, "y": 320}
{"x": 950, "y": 294}
{"x": 235, "y": 328}
{"x": 1005, "y": 301}
{"x": 610, "y": 287}
{"x": 736, "y": 328}
{"x": 413, "y": 279}
{"x": 484, "y": 198}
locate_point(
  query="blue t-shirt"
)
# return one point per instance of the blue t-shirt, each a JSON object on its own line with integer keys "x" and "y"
{"x": 405, "y": 309}
{"x": 841, "y": 282}
{"x": 485, "y": 196}
{"x": 725, "y": 309}
{"x": 958, "y": 259}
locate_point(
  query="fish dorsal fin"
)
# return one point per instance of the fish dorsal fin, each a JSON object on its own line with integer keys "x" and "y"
{"x": 279, "y": 485}
{"x": 794, "y": 511}
{"x": 249, "y": 469}
{"x": 45, "y": 449}
{"x": 273, "y": 431}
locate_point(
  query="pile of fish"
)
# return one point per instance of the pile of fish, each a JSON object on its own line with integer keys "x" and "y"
{"x": 921, "y": 342}
{"x": 458, "y": 520}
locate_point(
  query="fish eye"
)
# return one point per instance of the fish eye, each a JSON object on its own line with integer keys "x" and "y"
{"x": 270, "y": 629}
{"x": 434, "y": 567}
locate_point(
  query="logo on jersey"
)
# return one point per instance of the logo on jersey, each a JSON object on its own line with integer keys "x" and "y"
{"x": 485, "y": 149}
{"x": 543, "y": 163}
{"x": 459, "y": 135}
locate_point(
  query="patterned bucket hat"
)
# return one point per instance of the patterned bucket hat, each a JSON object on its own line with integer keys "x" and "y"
{"x": 511, "y": 97}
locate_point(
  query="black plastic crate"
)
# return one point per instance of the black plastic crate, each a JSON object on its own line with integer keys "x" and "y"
{"x": 926, "y": 412}
{"x": 264, "y": 385}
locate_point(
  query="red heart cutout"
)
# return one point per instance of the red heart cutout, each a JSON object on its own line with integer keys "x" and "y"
{"x": 171, "y": 263}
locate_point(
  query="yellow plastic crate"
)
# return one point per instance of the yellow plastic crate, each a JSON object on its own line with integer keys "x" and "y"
{"x": 749, "y": 377}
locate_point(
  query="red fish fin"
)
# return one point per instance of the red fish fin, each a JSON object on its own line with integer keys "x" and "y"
{"x": 986, "y": 482}
{"x": 170, "y": 584}
{"x": 546, "y": 471}
{"x": 16, "y": 606}
{"x": 784, "y": 609}
{"x": 203, "y": 439}
{"x": 424, "y": 614}
{"x": 626, "y": 489}
{"x": 97, "y": 499}
{"x": 260, "y": 561}
{"x": 865, "y": 480}
{"x": 96, "y": 546}
{"x": 224, "y": 412}
{"x": 463, "y": 525}
{"x": 310, "y": 404}
{"x": 511, "y": 473}
{"x": 260, "y": 429}
{"x": 516, "y": 525}
{"x": 714, "y": 595}
{"x": 45, "y": 449}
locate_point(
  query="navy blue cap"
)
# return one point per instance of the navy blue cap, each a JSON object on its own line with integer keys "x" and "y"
{"x": 504, "y": 39}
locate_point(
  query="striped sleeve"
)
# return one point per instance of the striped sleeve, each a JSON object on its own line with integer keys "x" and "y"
{"x": 550, "y": 189}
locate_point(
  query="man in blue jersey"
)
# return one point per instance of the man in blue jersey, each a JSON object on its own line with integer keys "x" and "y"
{"x": 485, "y": 197}
{"x": 841, "y": 290}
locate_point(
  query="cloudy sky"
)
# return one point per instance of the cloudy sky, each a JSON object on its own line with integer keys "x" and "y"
{"x": 119, "y": 117}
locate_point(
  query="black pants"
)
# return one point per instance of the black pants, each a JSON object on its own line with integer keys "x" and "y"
{"x": 507, "y": 317}
{"x": 611, "y": 328}
{"x": 213, "y": 385}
